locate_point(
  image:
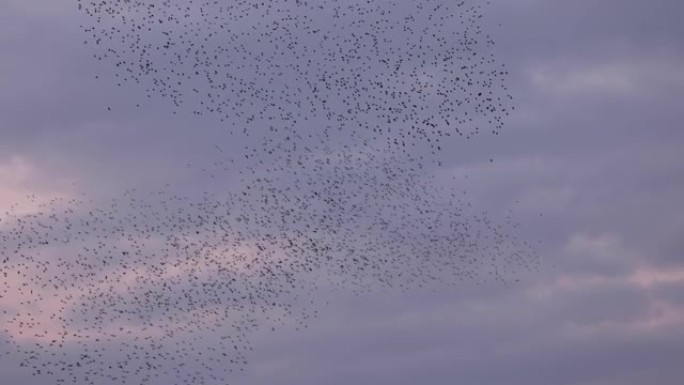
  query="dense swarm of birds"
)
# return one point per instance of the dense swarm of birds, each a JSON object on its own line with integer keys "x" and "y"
{"x": 342, "y": 105}
{"x": 408, "y": 72}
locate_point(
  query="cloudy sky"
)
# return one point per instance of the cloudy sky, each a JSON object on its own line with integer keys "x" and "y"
{"x": 591, "y": 164}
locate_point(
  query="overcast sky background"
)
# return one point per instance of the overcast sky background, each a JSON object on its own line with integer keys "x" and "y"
{"x": 596, "y": 145}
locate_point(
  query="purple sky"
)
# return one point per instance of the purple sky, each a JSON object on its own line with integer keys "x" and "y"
{"x": 595, "y": 144}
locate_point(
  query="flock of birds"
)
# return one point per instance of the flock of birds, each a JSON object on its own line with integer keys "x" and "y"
{"x": 392, "y": 73}
{"x": 343, "y": 106}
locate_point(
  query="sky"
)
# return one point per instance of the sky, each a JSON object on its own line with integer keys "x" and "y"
{"x": 591, "y": 164}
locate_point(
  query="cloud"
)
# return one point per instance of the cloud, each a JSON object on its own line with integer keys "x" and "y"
{"x": 25, "y": 187}
{"x": 612, "y": 77}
